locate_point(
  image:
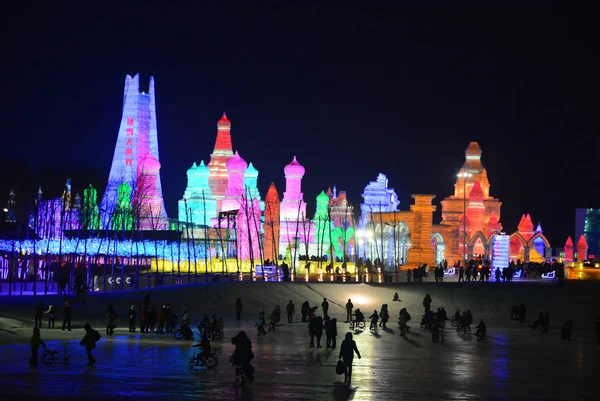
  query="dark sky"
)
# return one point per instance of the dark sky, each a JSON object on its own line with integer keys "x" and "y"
{"x": 351, "y": 89}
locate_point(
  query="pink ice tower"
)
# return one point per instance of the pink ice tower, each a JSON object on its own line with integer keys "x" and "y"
{"x": 235, "y": 194}
{"x": 293, "y": 204}
{"x": 149, "y": 194}
{"x": 295, "y": 227}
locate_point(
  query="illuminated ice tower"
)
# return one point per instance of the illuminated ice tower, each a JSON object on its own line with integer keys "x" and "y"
{"x": 293, "y": 206}
{"x": 377, "y": 197}
{"x": 137, "y": 141}
{"x": 482, "y": 214}
{"x": 296, "y": 229}
{"x": 218, "y": 160}
{"x": 271, "y": 226}
{"x": 251, "y": 184}
{"x": 236, "y": 192}
{"x": 198, "y": 205}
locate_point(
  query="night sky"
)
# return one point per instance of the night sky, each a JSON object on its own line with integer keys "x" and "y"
{"x": 350, "y": 89}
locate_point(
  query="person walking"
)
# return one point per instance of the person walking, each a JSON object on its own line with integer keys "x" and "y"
{"x": 522, "y": 312}
{"x": 384, "y": 315}
{"x": 325, "y": 306}
{"x": 34, "y": 343}
{"x": 319, "y": 330}
{"x": 290, "y": 309}
{"x": 427, "y": 303}
{"x": 333, "y": 332}
{"x": 89, "y": 341}
{"x": 51, "y": 316}
{"x": 327, "y": 328}
{"x": 39, "y": 313}
{"x": 242, "y": 356}
{"x": 66, "y": 311}
{"x": 347, "y": 351}
{"x": 349, "y": 307}
{"x": 109, "y": 320}
{"x": 238, "y": 309}
{"x": 131, "y": 316}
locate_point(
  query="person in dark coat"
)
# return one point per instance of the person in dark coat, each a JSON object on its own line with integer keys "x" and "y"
{"x": 238, "y": 309}
{"x": 34, "y": 344}
{"x": 522, "y": 312}
{"x": 349, "y": 307}
{"x": 325, "y": 306}
{"x": 131, "y": 316}
{"x": 66, "y": 316}
{"x": 427, "y": 303}
{"x": 243, "y": 354}
{"x": 319, "y": 330}
{"x": 333, "y": 329}
{"x": 39, "y": 313}
{"x": 347, "y": 351}
{"x": 304, "y": 310}
{"x": 312, "y": 323}
{"x": 89, "y": 342}
{"x": 109, "y": 320}
{"x": 290, "y": 309}
{"x": 327, "y": 328}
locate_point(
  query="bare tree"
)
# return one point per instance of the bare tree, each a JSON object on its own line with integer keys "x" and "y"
{"x": 296, "y": 236}
{"x": 206, "y": 237}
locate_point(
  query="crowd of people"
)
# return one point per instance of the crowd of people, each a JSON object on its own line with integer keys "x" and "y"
{"x": 165, "y": 320}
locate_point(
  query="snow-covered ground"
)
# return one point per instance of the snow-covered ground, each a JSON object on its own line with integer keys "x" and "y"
{"x": 516, "y": 363}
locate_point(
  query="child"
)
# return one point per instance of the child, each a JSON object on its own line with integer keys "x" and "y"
{"x": 271, "y": 323}
{"x": 34, "y": 344}
{"x": 260, "y": 325}
{"x": 481, "y": 331}
{"x": 205, "y": 345}
{"x": 358, "y": 317}
{"x": 374, "y": 319}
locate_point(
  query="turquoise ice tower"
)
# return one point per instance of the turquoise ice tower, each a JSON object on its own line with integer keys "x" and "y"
{"x": 198, "y": 198}
{"x": 251, "y": 184}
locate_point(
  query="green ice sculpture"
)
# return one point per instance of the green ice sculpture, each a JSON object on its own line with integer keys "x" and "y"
{"x": 341, "y": 238}
{"x": 90, "y": 217}
{"x": 322, "y": 223}
{"x": 123, "y": 218}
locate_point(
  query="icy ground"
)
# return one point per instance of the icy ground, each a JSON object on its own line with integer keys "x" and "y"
{"x": 515, "y": 363}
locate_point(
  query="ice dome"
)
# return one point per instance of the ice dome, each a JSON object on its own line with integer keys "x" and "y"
{"x": 150, "y": 163}
{"x": 200, "y": 169}
{"x": 224, "y": 122}
{"x": 236, "y": 163}
{"x": 294, "y": 169}
{"x": 323, "y": 197}
{"x": 251, "y": 171}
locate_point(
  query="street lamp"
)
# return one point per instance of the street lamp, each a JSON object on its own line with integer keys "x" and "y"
{"x": 464, "y": 175}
